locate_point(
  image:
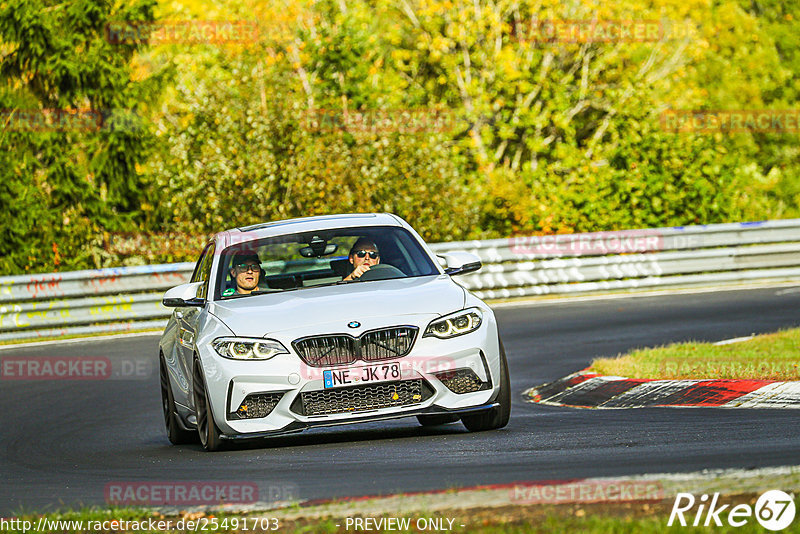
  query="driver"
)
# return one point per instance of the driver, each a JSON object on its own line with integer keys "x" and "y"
{"x": 362, "y": 256}
{"x": 245, "y": 271}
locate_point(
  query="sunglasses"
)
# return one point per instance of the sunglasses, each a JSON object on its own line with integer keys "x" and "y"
{"x": 247, "y": 267}
{"x": 372, "y": 254}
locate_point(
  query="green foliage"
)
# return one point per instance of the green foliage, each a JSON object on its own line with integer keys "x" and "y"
{"x": 69, "y": 146}
{"x": 454, "y": 114}
{"x": 249, "y": 152}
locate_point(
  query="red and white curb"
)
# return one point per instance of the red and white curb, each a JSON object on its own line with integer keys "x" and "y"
{"x": 589, "y": 390}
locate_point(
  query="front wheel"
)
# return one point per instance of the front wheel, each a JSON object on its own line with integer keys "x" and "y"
{"x": 494, "y": 418}
{"x": 206, "y": 427}
{"x": 176, "y": 434}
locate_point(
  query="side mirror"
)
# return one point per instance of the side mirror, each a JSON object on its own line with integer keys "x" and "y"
{"x": 183, "y": 295}
{"x": 460, "y": 262}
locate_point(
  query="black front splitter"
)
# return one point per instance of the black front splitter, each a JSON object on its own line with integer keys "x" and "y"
{"x": 298, "y": 426}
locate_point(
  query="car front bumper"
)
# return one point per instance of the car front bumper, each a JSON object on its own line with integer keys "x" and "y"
{"x": 429, "y": 366}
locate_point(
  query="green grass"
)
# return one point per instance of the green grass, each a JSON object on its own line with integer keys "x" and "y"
{"x": 765, "y": 357}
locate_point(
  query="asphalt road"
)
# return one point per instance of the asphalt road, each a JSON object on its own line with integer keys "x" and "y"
{"x": 62, "y": 442}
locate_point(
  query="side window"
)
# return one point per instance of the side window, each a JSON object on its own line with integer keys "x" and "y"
{"x": 202, "y": 271}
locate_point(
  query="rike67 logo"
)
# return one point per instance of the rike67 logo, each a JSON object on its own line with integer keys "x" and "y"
{"x": 774, "y": 510}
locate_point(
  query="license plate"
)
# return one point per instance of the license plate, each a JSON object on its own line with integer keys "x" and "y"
{"x": 351, "y": 376}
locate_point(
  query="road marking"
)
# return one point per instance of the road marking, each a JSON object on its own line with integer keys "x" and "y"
{"x": 734, "y": 340}
{"x": 788, "y": 291}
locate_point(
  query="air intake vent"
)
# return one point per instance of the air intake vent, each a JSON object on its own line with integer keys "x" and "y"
{"x": 363, "y": 398}
{"x": 462, "y": 381}
{"x": 256, "y": 405}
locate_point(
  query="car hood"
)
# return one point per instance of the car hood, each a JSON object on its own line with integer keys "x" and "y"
{"x": 365, "y": 302}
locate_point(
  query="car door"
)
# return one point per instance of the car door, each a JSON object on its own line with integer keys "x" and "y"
{"x": 188, "y": 318}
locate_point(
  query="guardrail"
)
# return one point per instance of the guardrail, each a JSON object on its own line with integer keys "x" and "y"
{"x": 128, "y": 298}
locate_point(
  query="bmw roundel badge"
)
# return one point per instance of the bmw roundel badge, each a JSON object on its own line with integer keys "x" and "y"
{"x": 353, "y": 324}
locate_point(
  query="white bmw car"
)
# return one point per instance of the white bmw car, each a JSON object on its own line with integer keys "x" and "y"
{"x": 322, "y": 321}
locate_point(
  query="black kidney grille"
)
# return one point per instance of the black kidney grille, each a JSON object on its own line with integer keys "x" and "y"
{"x": 337, "y": 349}
{"x": 326, "y": 350}
{"x": 387, "y": 343}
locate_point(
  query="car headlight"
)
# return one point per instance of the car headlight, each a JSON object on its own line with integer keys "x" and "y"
{"x": 248, "y": 349}
{"x": 455, "y": 324}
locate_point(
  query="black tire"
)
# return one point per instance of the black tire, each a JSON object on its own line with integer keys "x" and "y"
{"x": 207, "y": 429}
{"x": 438, "y": 419}
{"x": 176, "y": 434}
{"x": 494, "y": 418}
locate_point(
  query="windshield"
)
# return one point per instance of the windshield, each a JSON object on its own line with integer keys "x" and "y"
{"x": 312, "y": 259}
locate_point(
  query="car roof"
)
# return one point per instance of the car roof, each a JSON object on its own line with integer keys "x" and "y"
{"x": 305, "y": 224}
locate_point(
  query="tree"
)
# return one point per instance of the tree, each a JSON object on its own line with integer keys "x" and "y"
{"x": 71, "y": 139}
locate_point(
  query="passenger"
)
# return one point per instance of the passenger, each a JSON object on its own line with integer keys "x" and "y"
{"x": 362, "y": 256}
{"x": 245, "y": 272}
